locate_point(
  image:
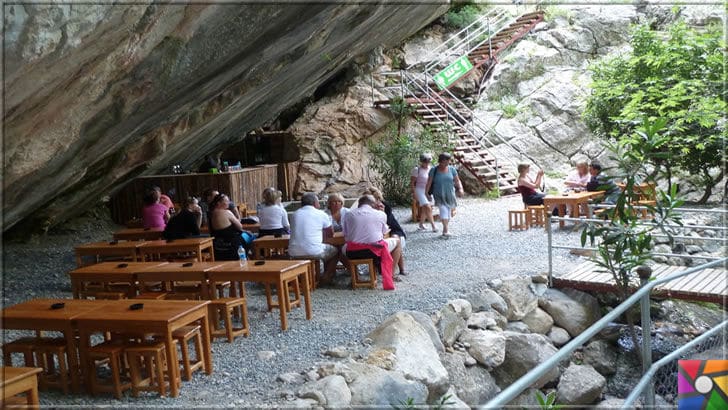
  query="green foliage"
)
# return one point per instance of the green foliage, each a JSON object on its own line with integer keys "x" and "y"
{"x": 548, "y": 402}
{"x": 491, "y": 194}
{"x": 553, "y": 12}
{"x": 444, "y": 401}
{"x": 463, "y": 13}
{"x": 396, "y": 63}
{"x": 509, "y": 108}
{"x": 407, "y": 404}
{"x": 397, "y": 152}
{"x": 678, "y": 76}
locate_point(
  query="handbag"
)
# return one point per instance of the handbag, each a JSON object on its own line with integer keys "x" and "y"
{"x": 432, "y": 185}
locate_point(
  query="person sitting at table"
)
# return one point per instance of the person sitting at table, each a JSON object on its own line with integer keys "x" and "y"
{"x": 601, "y": 182}
{"x": 309, "y": 227}
{"x": 207, "y": 196}
{"x": 395, "y": 229}
{"x": 336, "y": 210}
{"x": 364, "y": 229}
{"x": 164, "y": 199}
{"x": 273, "y": 218}
{"x": 527, "y": 187}
{"x": 154, "y": 214}
{"x": 224, "y": 224}
{"x": 186, "y": 223}
{"x": 578, "y": 179}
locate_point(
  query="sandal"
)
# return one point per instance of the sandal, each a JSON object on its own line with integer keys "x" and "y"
{"x": 421, "y": 228}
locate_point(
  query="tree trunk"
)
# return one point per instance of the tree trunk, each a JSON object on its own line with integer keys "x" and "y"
{"x": 709, "y": 184}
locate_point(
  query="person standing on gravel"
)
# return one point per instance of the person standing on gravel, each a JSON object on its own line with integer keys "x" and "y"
{"x": 418, "y": 183}
{"x": 441, "y": 184}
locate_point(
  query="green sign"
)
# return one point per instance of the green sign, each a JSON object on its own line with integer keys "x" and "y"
{"x": 453, "y": 72}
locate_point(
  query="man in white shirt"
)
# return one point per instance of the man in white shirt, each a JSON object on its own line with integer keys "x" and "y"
{"x": 309, "y": 226}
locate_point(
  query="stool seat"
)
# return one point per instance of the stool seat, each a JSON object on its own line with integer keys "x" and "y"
{"x": 22, "y": 346}
{"x": 356, "y": 281}
{"x": 112, "y": 353}
{"x": 46, "y": 351}
{"x": 153, "y": 355}
{"x": 226, "y": 307}
{"x": 537, "y": 216}
{"x": 182, "y": 336}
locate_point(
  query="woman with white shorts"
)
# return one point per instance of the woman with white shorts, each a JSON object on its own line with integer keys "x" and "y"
{"x": 418, "y": 183}
{"x": 442, "y": 182}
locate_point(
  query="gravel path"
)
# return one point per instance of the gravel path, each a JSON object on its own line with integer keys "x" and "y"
{"x": 482, "y": 248}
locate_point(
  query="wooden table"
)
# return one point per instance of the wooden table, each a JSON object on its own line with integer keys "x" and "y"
{"x": 139, "y": 234}
{"x": 161, "y": 317}
{"x": 19, "y": 380}
{"x": 106, "y": 272}
{"x": 37, "y": 315}
{"x": 176, "y": 271}
{"x": 107, "y": 249}
{"x": 161, "y": 247}
{"x": 264, "y": 246}
{"x": 573, "y": 199}
{"x": 273, "y": 272}
{"x": 246, "y": 227}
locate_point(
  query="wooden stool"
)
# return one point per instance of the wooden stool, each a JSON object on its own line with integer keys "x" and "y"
{"x": 356, "y": 281}
{"x": 225, "y": 306}
{"x": 295, "y": 302}
{"x": 22, "y": 346}
{"x": 182, "y": 336}
{"x": 537, "y": 215}
{"x": 518, "y": 219}
{"x": 153, "y": 355}
{"x": 19, "y": 386}
{"x": 113, "y": 354}
{"x": 45, "y": 352}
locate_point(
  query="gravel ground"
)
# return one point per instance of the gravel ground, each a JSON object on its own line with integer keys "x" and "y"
{"x": 481, "y": 249}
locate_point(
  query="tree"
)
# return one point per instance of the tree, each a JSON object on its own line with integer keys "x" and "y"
{"x": 677, "y": 75}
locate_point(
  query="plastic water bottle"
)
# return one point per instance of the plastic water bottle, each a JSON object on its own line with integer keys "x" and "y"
{"x": 241, "y": 255}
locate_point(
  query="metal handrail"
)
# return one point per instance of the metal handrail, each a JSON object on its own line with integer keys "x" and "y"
{"x": 512, "y": 391}
{"x": 647, "y": 377}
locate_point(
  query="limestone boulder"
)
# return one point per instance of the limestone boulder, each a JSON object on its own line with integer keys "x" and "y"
{"x": 487, "y": 299}
{"x": 375, "y": 387}
{"x": 450, "y": 325}
{"x": 602, "y": 356}
{"x": 570, "y": 309}
{"x": 462, "y": 307}
{"x": 580, "y": 385}
{"x": 429, "y": 326}
{"x": 538, "y": 321}
{"x": 523, "y": 353}
{"x": 473, "y": 385}
{"x": 487, "y": 320}
{"x": 417, "y": 357}
{"x": 518, "y": 294}
{"x": 331, "y": 392}
{"x": 450, "y": 400}
{"x": 558, "y": 336}
{"x": 486, "y": 346}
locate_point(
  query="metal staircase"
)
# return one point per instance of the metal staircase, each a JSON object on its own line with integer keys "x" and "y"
{"x": 492, "y": 164}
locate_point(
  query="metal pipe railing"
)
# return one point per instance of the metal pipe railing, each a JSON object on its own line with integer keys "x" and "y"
{"x": 512, "y": 391}
{"x": 650, "y": 373}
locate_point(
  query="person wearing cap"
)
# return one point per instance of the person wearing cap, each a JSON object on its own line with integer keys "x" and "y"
{"x": 418, "y": 183}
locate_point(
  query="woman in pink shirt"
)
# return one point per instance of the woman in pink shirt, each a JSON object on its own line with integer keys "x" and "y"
{"x": 154, "y": 214}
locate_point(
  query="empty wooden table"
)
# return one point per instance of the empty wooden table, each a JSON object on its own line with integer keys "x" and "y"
{"x": 272, "y": 272}
{"x": 169, "y": 273}
{"x": 20, "y": 380}
{"x": 139, "y": 234}
{"x": 162, "y": 247}
{"x": 573, "y": 200}
{"x": 106, "y": 272}
{"x": 37, "y": 314}
{"x": 107, "y": 249}
{"x": 160, "y": 317}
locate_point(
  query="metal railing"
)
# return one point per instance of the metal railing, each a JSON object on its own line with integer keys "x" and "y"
{"x": 642, "y": 296}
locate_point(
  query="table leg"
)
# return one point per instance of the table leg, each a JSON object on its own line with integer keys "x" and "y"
{"x": 307, "y": 293}
{"x": 172, "y": 364}
{"x": 76, "y": 288}
{"x": 562, "y": 213}
{"x": 84, "y": 337}
{"x": 575, "y": 209}
{"x": 73, "y": 364}
{"x": 79, "y": 259}
{"x": 282, "y": 292}
{"x": 206, "y": 346}
{"x": 32, "y": 399}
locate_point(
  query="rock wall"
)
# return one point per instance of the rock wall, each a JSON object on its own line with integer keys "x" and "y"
{"x": 98, "y": 94}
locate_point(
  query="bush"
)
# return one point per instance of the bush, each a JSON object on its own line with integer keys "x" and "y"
{"x": 461, "y": 14}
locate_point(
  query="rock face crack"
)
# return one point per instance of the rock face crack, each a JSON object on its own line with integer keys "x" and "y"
{"x": 538, "y": 134}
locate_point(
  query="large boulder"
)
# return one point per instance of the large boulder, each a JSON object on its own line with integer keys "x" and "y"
{"x": 517, "y": 292}
{"x": 602, "y": 356}
{"x": 538, "y": 321}
{"x": 429, "y": 326}
{"x": 524, "y": 351}
{"x": 473, "y": 385}
{"x": 450, "y": 325}
{"x": 486, "y": 346}
{"x": 570, "y": 309}
{"x": 417, "y": 357}
{"x": 331, "y": 392}
{"x": 580, "y": 385}
{"x": 487, "y": 299}
{"x": 487, "y": 320}
{"x": 372, "y": 386}
{"x": 462, "y": 307}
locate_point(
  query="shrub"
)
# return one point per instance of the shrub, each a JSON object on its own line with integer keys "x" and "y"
{"x": 462, "y": 14}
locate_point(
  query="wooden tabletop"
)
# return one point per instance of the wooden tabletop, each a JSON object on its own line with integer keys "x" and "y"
{"x": 175, "y": 243}
{"x": 574, "y": 196}
{"x": 177, "y": 267}
{"x": 274, "y": 265}
{"x": 136, "y": 234}
{"x": 26, "y": 315}
{"x": 154, "y": 311}
{"x": 116, "y": 267}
